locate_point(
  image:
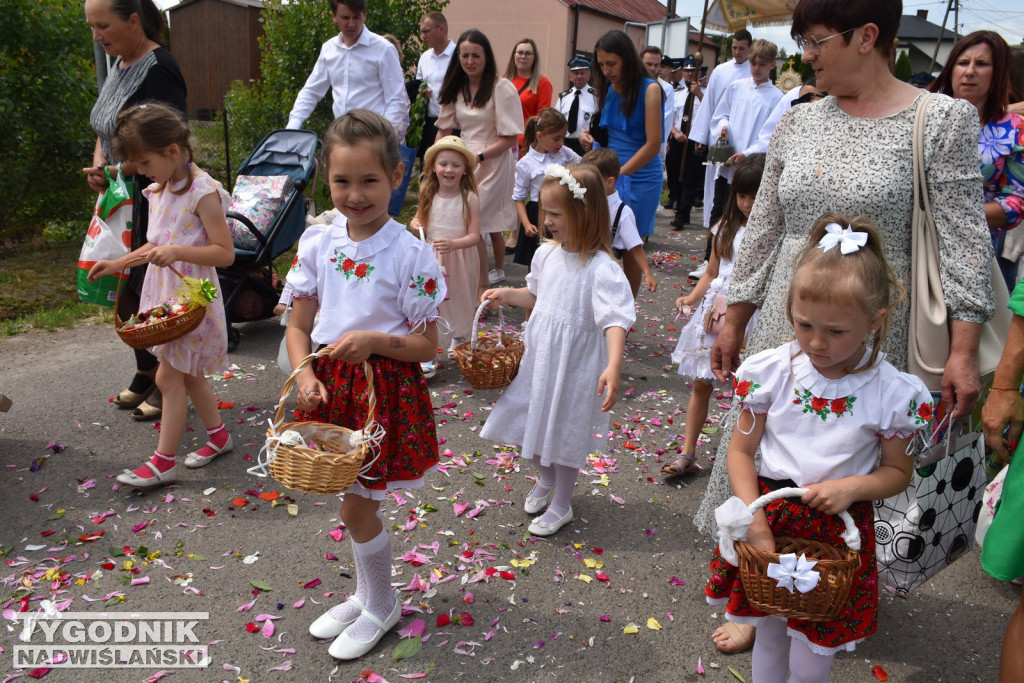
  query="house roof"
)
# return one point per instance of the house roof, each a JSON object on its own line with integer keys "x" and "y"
{"x": 241, "y": 3}
{"x": 630, "y": 10}
{"x": 915, "y": 28}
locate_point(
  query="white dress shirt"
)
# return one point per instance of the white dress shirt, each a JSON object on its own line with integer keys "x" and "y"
{"x": 367, "y": 75}
{"x": 721, "y": 78}
{"x": 588, "y": 105}
{"x": 530, "y": 171}
{"x": 768, "y": 128}
{"x": 431, "y": 70}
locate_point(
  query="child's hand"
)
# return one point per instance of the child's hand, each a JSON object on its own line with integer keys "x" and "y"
{"x": 608, "y": 384}
{"x": 353, "y": 347}
{"x": 442, "y": 246}
{"x": 163, "y": 256}
{"x": 312, "y": 392}
{"x": 102, "y": 269}
{"x": 650, "y": 282}
{"x": 760, "y": 535}
{"x": 530, "y": 229}
{"x": 830, "y": 497}
{"x": 279, "y": 309}
{"x": 495, "y": 297}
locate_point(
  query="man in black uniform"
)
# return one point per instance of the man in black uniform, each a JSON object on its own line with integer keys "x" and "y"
{"x": 691, "y": 170}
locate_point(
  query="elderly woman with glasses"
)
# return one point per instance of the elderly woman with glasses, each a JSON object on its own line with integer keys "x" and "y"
{"x": 851, "y": 153}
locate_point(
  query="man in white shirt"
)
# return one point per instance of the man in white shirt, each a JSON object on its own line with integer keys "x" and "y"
{"x": 361, "y": 69}
{"x": 431, "y": 70}
{"x": 743, "y": 109}
{"x": 652, "y": 60}
{"x": 578, "y": 103}
{"x": 721, "y": 77}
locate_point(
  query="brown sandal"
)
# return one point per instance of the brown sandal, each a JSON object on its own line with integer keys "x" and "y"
{"x": 683, "y": 465}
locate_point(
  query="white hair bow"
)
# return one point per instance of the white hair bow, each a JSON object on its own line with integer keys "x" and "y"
{"x": 848, "y": 240}
{"x": 794, "y": 573}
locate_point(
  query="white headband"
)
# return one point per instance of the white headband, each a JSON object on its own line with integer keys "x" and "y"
{"x": 567, "y": 179}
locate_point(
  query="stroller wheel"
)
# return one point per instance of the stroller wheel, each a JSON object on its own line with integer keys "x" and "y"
{"x": 234, "y": 336}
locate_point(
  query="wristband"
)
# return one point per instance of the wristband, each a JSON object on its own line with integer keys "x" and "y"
{"x": 1004, "y": 389}
{"x": 480, "y": 157}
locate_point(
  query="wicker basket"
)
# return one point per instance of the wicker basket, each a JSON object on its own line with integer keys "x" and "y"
{"x": 161, "y": 332}
{"x": 837, "y": 567}
{"x": 312, "y": 470}
{"x": 491, "y": 362}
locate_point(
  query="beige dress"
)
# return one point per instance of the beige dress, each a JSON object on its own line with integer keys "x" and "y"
{"x": 495, "y": 178}
{"x": 461, "y": 265}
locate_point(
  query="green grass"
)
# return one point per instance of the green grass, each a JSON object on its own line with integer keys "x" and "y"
{"x": 65, "y": 316}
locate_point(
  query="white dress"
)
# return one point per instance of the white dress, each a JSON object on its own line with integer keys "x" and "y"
{"x": 693, "y": 351}
{"x": 552, "y": 408}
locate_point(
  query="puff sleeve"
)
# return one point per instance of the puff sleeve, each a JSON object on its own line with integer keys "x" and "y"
{"x": 302, "y": 276}
{"x": 425, "y": 288}
{"x": 911, "y": 407}
{"x": 612, "y": 297}
{"x": 537, "y": 266}
{"x": 508, "y": 111}
{"x": 757, "y": 376}
{"x": 448, "y": 118}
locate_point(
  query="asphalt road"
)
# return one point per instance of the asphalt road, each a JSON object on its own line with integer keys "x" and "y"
{"x": 557, "y": 619}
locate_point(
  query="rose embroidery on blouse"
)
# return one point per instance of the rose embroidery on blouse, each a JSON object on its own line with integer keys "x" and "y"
{"x": 823, "y": 407}
{"x": 920, "y": 413}
{"x": 348, "y": 267}
{"x": 295, "y": 264}
{"x": 744, "y": 389}
{"x": 424, "y": 286}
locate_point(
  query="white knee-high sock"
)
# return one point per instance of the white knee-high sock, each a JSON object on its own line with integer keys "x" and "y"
{"x": 347, "y": 611}
{"x": 807, "y": 666}
{"x": 375, "y": 575}
{"x": 770, "y": 658}
{"x": 565, "y": 481}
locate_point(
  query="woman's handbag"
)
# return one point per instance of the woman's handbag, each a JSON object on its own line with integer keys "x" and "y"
{"x": 929, "y": 338}
{"x": 714, "y": 319}
{"x": 932, "y": 523}
{"x": 597, "y": 131}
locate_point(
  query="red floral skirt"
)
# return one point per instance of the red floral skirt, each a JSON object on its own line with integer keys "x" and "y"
{"x": 409, "y": 447}
{"x": 792, "y": 518}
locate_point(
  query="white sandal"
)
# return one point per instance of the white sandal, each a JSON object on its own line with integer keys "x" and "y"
{"x": 129, "y": 478}
{"x": 194, "y": 460}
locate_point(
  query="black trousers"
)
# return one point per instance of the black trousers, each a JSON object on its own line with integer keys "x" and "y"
{"x": 574, "y": 145}
{"x": 721, "y": 195}
{"x": 691, "y": 187}
{"x": 673, "y": 160}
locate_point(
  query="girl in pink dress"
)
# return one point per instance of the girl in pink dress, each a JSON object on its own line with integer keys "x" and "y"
{"x": 449, "y": 213}
{"x": 187, "y": 230}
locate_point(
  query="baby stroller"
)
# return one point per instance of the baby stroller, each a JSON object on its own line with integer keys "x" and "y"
{"x": 267, "y": 216}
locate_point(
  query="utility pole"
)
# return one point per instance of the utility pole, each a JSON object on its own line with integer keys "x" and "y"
{"x": 938, "y": 39}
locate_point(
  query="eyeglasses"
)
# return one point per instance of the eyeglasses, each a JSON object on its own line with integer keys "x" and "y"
{"x": 520, "y": 53}
{"x": 425, "y": 31}
{"x": 812, "y": 45}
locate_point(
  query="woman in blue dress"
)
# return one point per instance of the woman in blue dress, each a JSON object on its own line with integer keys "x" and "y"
{"x": 631, "y": 113}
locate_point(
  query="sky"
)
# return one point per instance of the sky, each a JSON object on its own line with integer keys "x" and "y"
{"x": 1006, "y": 17}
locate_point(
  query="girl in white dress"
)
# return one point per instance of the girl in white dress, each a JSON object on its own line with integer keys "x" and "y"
{"x": 187, "y": 230}
{"x": 449, "y": 213}
{"x": 693, "y": 351}
{"x": 569, "y": 376}
{"x": 831, "y": 415}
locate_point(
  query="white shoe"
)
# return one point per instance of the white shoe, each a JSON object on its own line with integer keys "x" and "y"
{"x": 533, "y": 504}
{"x": 697, "y": 274}
{"x": 539, "y": 528}
{"x": 194, "y": 460}
{"x": 495, "y": 276}
{"x": 429, "y": 369}
{"x": 326, "y": 626}
{"x": 345, "y": 647}
{"x": 451, "y": 349}
{"x": 129, "y": 478}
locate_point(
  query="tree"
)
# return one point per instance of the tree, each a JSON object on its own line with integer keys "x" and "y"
{"x": 293, "y": 34}
{"x": 47, "y": 89}
{"x": 903, "y": 68}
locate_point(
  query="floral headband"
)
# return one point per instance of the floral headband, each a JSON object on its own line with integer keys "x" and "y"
{"x": 567, "y": 179}
{"x": 848, "y": 240}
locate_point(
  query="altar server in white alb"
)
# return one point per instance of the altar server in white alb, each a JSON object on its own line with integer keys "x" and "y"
{"x": 577, "y": 103}
{"x": 361, "y": 69}
{"x": 743, "y": 109}
{"x": 700, "y": 132}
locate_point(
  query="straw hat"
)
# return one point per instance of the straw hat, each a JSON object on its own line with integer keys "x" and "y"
{"x": 453, "y": 143}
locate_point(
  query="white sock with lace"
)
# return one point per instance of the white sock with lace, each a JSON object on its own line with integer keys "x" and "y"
{"x": 545, "y": 480}
{"x": 565, "y": 481}
{"x": 374, "y": 567}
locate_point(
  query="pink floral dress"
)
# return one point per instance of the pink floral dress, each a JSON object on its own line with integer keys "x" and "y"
{"x": 173, "y": 220}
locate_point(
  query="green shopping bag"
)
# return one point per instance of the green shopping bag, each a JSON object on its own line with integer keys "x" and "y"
{"x": 109, "y": 237}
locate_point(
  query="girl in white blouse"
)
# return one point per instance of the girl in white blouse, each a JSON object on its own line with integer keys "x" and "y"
{"x": 378, "y": 289}
{"x": 829, "y": 414}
